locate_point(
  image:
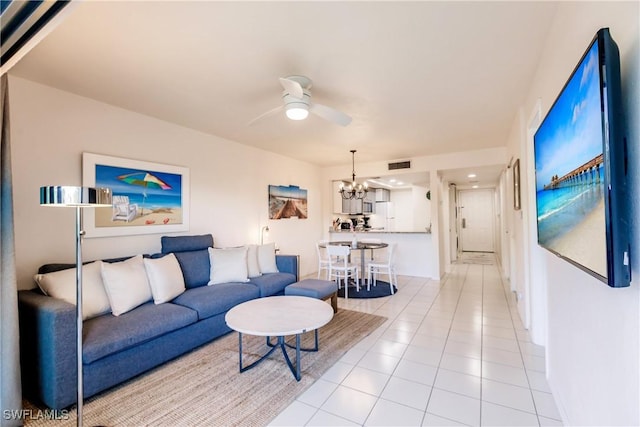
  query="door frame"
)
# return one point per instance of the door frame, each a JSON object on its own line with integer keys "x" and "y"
{"x": 459, "y": 216}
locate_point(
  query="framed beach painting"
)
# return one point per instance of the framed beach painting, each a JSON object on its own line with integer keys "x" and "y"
{"x": 287, "y": 202}
{"x": 148, "y": 198}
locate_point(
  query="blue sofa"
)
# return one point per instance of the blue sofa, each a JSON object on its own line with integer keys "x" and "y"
{"x": 116, "y": 349}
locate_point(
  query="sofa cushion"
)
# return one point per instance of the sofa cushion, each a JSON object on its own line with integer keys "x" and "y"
{"x": 192, "y": 255}
{"x": 267, "y": 258}
{"x": 186, "y": 243}
{"x": 106, "y": 335}
{"x": 62, "y": 285}
{"x": 253, "y": 267}
{"x": 195, "y": 267}
{"x": 211, "y": 300}
{"x": 228, "y": 265}
{"x": 165, "y": 278}
{"x": 273, "y": 283}
{"x": 126, "y": 284}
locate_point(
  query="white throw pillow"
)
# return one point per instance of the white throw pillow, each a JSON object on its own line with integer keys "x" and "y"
{"x": 126, "y": 284}
{"x": 62, "y": 285}
{"x": 165, "y": 278}
{"x": 267, "y": 258}
{"x": 252, "y": 261}
{"x": 228, "y": 265}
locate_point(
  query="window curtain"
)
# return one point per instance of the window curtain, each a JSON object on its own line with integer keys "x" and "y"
{"x": 10, "y": 387}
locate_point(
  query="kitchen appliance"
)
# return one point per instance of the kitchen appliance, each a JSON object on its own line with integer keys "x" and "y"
{"x": 346, "y": 225}
{"x": 384, "y": 217}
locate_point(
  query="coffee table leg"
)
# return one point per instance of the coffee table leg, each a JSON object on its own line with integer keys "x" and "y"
{"x": 240, "y": 350}
{"x": 298, "y": 357}
{"x": 307, "y": 349}
{"x": 246, "y": 368}
{"x": 282, "y": 344}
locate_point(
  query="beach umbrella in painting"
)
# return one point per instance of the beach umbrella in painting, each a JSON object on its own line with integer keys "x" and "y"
{"x": 146, "y": 180}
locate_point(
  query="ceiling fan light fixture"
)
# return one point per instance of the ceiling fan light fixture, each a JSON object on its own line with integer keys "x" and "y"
{"x": 297, "y": 112}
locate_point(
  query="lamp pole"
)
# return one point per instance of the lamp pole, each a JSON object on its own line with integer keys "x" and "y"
{"x": 79, "y": 234}
{"x": 78, "y": 198}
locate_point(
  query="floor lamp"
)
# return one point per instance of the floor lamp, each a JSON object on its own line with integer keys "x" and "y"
{"x": 77, "y": 197}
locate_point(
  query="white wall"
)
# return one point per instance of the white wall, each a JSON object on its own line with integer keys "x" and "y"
{"x": 229, "y": 182}
{"x": 593, "y": 331}
{"x": 421, "y": 207}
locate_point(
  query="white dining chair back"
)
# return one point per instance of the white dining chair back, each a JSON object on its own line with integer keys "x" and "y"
{"x": 323, "y": 258}
{"x": 340, "y": 269}
{"x": 384, "y": 267}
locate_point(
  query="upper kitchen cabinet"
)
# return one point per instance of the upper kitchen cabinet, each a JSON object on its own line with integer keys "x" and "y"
{"x": 369, "y": 204}
{"x": 352, "y": 206}
{"x": 383, "y": 195}
{"x": 342, "y": 206}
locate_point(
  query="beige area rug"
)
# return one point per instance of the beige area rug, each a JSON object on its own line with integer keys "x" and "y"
{"x": 204, "y": 387}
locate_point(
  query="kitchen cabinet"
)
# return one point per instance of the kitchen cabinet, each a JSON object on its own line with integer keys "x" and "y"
{"x": 352, "y": 206}
{"x": 383, "y": 195}
{"x": 369, "y": 205}
{"x": 342, "y": 206}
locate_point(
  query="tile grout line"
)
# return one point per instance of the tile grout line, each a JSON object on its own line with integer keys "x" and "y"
{"x": 464, "y": 281}
{"x": 524, "y": 367}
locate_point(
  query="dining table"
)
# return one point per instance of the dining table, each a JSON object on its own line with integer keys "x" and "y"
{"x": 362, "y": 247}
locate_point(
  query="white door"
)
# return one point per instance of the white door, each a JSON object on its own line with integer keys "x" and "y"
{"x": 476, "y": 220}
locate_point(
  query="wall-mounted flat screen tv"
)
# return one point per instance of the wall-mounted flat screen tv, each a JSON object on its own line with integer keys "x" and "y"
{"x": 581, "y": 168}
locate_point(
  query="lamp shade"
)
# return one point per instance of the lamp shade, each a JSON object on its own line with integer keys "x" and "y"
{"x": 70, "y": 196}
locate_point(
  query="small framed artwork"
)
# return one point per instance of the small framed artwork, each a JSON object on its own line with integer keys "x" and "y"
{"x": 287, "y": 202}
{"x": 148, "y": 198}
{"x": 516, "y": 185}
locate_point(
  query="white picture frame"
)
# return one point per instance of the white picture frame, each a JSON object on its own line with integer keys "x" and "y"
{"x": 148, "y": 198}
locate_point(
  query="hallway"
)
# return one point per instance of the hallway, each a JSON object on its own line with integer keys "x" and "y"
{"x": 451, "y": 353}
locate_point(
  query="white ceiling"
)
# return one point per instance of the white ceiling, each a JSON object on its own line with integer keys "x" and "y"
{"x": 418, "y": 78}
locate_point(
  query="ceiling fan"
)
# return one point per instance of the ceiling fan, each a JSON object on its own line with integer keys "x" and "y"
{"x": 297, "y": 103}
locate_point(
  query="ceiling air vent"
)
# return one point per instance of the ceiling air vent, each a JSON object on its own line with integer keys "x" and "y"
{"x": 400, "y": 165}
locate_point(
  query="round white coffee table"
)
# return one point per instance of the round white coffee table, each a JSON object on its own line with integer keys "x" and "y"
{"x": 279, "y": 316}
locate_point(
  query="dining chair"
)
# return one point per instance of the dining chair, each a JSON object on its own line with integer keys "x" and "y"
{"x": 387, "y": 267}
{"x": 323, "y": 260}
{"x": 341, "y": 269}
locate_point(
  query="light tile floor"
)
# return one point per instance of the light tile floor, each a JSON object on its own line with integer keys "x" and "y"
{"x": 451, "y": 353}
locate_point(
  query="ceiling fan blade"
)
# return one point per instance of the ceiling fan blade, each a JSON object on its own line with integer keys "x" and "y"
{"x": 330, "y": 114}
{"x": 266, "y": 114}
{"x": 294, "y": 88}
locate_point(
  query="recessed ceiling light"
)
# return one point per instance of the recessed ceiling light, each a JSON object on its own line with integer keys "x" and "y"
{"x": 471, "y": 175}
{"x": 475, "y": 186}
{"x": 392, "y": 180}
{"x": 399, "y": 183}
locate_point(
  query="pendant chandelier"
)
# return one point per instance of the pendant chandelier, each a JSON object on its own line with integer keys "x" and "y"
{"x": 353, "y": 190}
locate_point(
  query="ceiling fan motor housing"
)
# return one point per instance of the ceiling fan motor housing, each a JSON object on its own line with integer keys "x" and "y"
{"x": 296, "y": 108}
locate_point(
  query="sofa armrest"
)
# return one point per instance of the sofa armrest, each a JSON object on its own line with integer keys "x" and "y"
{"x": 48, "y": 348}
{"x": 289, "y": 264}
